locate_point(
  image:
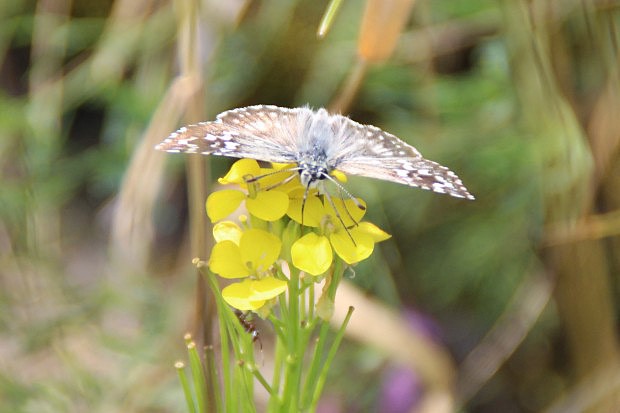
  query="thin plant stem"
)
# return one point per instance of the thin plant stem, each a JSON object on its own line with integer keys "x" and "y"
{"x": 293, "y": 307}
{"x": 213, "y": 375}
{"x": 330, "y": 357}
{"x": 292, "y": 361}
{"x": 314, "y": 368}
{"x": 311, "y": 303}
{"x": 245, "y": 393}
{"x": 328, "y": 18}
{"x": 303, "y": 305}
{"x": 275, "y": 402}
{"x": 198, "y": 376}
{"x": 196, "y": 166}
{"x": 261, "y": 379}
{"x": 278, "y": 326}
{"x": 189, "y": 398}
{"x": 311, "y": 379}
{"x": 243, "y": 346}
{"x": 224, "y": 345}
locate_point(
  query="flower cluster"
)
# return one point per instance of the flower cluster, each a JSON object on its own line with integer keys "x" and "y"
{"x": 261, "y": 249}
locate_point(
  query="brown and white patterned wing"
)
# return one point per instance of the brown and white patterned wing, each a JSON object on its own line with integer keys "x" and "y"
{"x": 371, "y": 152}
{"x": 259, "y": 132}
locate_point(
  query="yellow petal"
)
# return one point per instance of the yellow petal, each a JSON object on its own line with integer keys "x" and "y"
{"x": 222, "y": 203}
{"x": 279, "y": 166}
{"x": 267, "y": 288}
{"x": 274, "y": 176}
{"x": 349, "y": 252}
{"x": 348, "y": 209}
{"x": 239, "y": 170}
{"x": 312, "y": 254}
{"x": 268, "y": 205}
{"x": 238, "y": 295}
{"x": 227, "y": 231}
{"x": 259, "y": 248}
{"x": 374, "y": 231}
{"x": 339, "y": 176}
{"x": 226, "y": 260}
{"x": 313, "y": 209}
{"x": 292, "y": 185}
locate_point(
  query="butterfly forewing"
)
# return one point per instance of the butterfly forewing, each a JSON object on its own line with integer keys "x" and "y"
{"x": 418, "y": 172}
{"x": 371, "y": 142}
{"x": 257, "y": 132}
{"x": 271, "y": 126}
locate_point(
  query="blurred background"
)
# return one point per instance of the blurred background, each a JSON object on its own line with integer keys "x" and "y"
{"x": 504, "y": 304}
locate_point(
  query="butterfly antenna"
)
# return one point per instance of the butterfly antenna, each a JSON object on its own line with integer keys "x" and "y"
{"x": 347, "y": 193}
{"x": 342, "y": 189}
{"x": 346, "y": 208}
{"x": 282, "y": 182}
{"x": 331, "y": 202}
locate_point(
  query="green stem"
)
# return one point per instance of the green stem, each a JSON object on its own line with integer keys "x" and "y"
{"x": 261, "y": 379}
{"x": 303, "y": 316}
{"x": 198, "y": 377}
{"x": 292, "y": 362}
{"x": 313, "y": 370}
{"x": 311, "y": 379}
{"x": 328, "y": 18}
{"x": 224, "y": 344}
{"x": 339, "y": 268}
{"x": 293, "y": 309}
{"x": 275, "y": 402}
{"x": 311, "y": 303}
{"x": 245, "y": 388}
{"x": 189, "y": 398}
{"x": 330, "y": 357}
{"x": 213, "y": 377}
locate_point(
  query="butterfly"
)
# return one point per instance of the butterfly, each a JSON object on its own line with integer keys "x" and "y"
{"x": 318, "y": 143}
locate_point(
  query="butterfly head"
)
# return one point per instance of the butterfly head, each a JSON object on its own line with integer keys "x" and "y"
{"x": 313, "y": 168}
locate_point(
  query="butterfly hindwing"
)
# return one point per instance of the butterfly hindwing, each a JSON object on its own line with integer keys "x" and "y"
{"x": 373, "y": 153}
{"x": 418, "y": 172}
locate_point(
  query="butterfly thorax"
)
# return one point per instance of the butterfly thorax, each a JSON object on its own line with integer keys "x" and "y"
{"x": 313, "y": 167}
{"x": 315, "y": 142}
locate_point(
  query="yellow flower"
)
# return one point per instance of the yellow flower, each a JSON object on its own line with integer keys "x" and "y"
{"x": 269, "y": 204}
{"x": 269, "y": 177}
{"x": 252, "y": 294}
{"x": 222, "y": 203}
{"x": 365, "y": 235}
{"x": 253, "y": 253}
{"x": 313, "y": 207}
{"x": 312, "y": 254}
{"x": 239, "y": 170}
{"x": 353, "y": 242}
{"x": 227, "y": 230}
